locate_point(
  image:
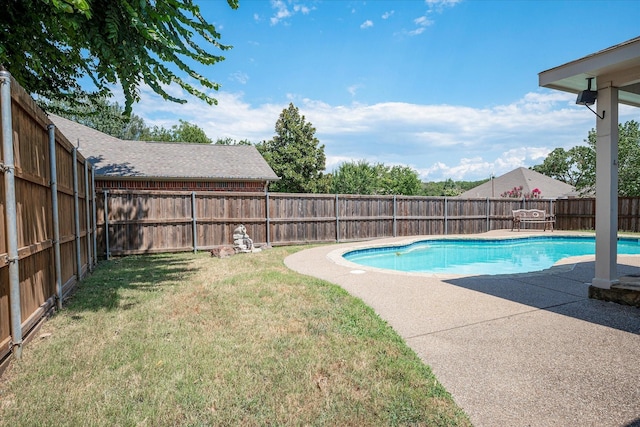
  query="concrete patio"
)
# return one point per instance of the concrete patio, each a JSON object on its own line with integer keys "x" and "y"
{"x": 514, "y": 350}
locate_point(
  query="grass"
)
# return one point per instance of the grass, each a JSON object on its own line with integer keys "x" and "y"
{"x": 186, "y": 339}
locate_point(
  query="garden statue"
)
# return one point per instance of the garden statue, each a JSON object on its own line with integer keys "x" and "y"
{"x": 241, "y": 240}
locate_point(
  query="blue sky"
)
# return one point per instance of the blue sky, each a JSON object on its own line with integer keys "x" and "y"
{"x": 449, "y": 88}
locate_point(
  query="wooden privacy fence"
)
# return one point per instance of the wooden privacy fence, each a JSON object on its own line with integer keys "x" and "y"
{"x": 580, "y": 214}
{"x": 47, "y": 217}
{"x": 132, "y": 222}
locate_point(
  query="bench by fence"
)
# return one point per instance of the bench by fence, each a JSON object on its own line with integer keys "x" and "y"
{"x": 536, "y": 216}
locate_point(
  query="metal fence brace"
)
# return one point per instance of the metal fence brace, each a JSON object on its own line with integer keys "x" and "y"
{"x": 55, "y": 214}
{"x": 8, "y": 168}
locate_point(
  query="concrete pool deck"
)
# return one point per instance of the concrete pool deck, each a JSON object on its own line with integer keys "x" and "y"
{"x": 515, "y": 350}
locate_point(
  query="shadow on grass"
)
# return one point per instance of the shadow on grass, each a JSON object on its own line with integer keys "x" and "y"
{"x": 109, "y": 287}
{"x": 562, "y": 290}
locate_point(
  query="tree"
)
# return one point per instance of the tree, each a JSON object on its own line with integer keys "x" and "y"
{"x": 188, "y": 132}
{"x": 569, "y": 166}
{"x": 49, "y": 46}
{"x": 184, "y": 132}
{"x": 364, "y": 178}
{"x": 402, "y": 180}
{"x": 449, "y": 187}
{"x": 102, "y": 115}
{"x": 157, "y": 134}
{"x": 579, "y": 162}
{"x": 583, "y": 161}
{"x": 557, "y": 166}
{"x": 295, "y": 155}
{"x": 231, "y": 141}
{"x": 109, "y": 118}
{"x": 355, "y": 178}
{"x": 628, "y": 159}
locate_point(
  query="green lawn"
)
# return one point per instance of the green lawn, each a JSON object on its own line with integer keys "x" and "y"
{"x": 186, "y": 339}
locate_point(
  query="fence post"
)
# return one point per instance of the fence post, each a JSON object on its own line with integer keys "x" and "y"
{"x": 337, "y": 209}
{"x": 55, "y": 215}
{"x": 446, "y": 220}
{"x": 106, "y": 223}
{"x": 8, "y": 168}
{"x": 488, "y": 212}
{"x": 194, "y": 222}
{"x": 395, "y": 206}
{"x": 93, "y": 206}
{"x": 267, "y": 217}
{"x": 76, "y": 212}
{"x": 88, "y": 215}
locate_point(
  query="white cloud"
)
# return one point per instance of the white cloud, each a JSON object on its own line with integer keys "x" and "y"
{"x": 438, "y": 141}
{"x": 466, "y": 167}
{"x": 439, "y": 5}
{"x": 417, "y": 31}
{"x": 366, "y": 24}
{"x": 424, "y": 21}
{"x": 240, "y": 77}
{"x": 283, "y": 12}
{"x": 302, "y": 9}
{"x": 333, "y": 162}
{"x": 388, "y": 14}
{"x": 353, "y": 89}
{"x": 421, "y": 23}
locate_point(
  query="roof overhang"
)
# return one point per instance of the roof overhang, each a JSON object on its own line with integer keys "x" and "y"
{"x": 618, "y": 64}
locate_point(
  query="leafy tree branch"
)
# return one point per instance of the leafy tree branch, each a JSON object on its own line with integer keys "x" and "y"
{"x": 49, "y": 46}
{"x": 577, "y": 166}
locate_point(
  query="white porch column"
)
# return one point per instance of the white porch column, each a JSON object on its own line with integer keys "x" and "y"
{"x": 606, "y": 187}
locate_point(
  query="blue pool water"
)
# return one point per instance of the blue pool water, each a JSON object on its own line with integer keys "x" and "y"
{"x": 476, "y": 257}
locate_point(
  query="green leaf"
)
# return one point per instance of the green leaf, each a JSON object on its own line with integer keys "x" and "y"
{"x": 49, "y": 46}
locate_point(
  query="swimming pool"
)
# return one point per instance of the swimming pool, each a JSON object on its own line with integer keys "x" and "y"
{"x": 482, "y": 257}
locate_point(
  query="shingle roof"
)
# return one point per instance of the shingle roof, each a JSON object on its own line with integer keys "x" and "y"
{"x": 114, "y": 157}
{"x": 529, "y": 179}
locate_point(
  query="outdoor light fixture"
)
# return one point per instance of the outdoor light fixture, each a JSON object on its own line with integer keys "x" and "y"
{"x": 588, "y": 97}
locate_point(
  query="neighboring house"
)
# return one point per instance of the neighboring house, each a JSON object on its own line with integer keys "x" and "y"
{"x": 529, "y": 180}
{"x": 143, "y": 165}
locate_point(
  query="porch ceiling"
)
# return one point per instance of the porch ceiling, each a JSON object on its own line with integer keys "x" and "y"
{"x": 618, "y": 64}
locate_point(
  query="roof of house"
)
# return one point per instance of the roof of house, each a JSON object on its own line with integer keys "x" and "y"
{"x": 527, "y": 178}
{"x": 114, "y": 157}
